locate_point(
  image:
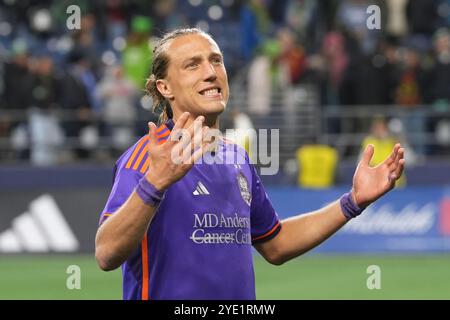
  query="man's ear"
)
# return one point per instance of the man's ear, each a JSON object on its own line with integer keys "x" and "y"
{"x": 164, "y": 88}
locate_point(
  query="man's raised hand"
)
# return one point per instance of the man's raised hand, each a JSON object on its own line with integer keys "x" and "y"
{"x": 170, "y": 161}
{"x": 370, "y": 183}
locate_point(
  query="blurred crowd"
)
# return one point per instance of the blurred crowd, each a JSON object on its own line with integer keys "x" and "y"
{"x": 403, "y": 66}
{"x": 70, "y": 94}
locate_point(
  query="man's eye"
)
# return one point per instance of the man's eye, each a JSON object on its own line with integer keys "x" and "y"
{"x": 217, "y": 61}
{"x": 192, "y": 65}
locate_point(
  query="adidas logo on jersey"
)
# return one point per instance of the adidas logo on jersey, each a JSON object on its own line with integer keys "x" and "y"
{"x": 200, "y": 190}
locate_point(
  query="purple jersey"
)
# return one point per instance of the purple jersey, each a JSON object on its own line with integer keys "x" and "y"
{"x": 199, "y": 243}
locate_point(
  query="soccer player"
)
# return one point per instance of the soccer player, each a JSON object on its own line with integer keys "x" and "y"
{"x": 185, "y": 229}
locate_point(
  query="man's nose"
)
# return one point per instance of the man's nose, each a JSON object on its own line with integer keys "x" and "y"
{"x": 209, "y": 72}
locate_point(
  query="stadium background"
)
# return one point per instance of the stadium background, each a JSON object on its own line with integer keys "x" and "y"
{"x": 72, "y": 100}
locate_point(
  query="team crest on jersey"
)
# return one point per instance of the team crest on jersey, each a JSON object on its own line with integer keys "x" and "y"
{"x": 243, "y": 187}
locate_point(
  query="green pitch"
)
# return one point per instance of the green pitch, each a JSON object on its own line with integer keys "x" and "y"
{"x": 308, "y": 277}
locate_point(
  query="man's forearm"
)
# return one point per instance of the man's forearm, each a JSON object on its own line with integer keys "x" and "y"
{"x": 303, "y": 232}
{"x": 120, "y": 234}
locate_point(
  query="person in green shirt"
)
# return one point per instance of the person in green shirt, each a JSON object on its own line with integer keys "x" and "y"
{"x": 137, "y": 56}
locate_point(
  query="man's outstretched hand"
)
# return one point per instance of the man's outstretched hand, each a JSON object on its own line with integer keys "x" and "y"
{"x": 370, "y": 183}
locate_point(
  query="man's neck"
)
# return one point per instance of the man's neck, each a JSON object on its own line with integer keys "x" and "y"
{"x": 211, "y": 121}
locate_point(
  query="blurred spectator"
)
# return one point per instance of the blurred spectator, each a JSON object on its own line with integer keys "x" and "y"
{"x": 397, "y": 23}
{"x": 311, "y": 20}
{"x": 300, "y": 15}
{"x": 46, "y": 135}
{"x": 410, "y": 86}
{"x": 45, "y": 91}
{"x": 330, "y": 63}
{"x": 272, "y": 75}
{"x": 277, "y": 10}
{"x": 118, "y": 96}
{"x": 422, "y": 16}
{"x": 82, "y": 70}
{"x": 260, "y": 79}
{"x": 352, "y": 17}
{"x": 242, "y": 132}
{"x": 115, "y": 14}
{"x": 78, "y": 96}
{"x": 317, "y": 166}
{"x": 254, "y": 25}
{"x": 87, "y": 41}
{"x": 165, "y": 15}
{"x": 439, "y": 84}
{"x": 367, "y": 80}
{"x": 327, "y": 70}
{"x": 46, "y": 138}
{"x": 336, "y": 59}
{"x": 440, "y": 73}
{"x": 18, "y": 84}
{"x": 137, "y": 56}
{"x": 291, "y": 65}
{"x": 410, "y": 92}
{"x": 443, "y": 9}
{"x": 291, "y": 56}
{"x": 15, "y": 72}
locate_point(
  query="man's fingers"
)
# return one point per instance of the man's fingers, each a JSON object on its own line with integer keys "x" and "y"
{"x": 367, "y": 155}
{"x": 200, "y": 146}
{"x": 199, "y": 136}
{"x": 400, "y": 155}
{"x": 178, "y": 129}
{"x": 152, "y": 140}
{"x": 190, "y": 146}
{"x": 396, "y": 168}
{"x": 196, "y": 127}
{"x": 392, "y": 164}
{"x": 204, "y": 148}
{"x": 183, "y": 134}
{"x": 187, "y": 136}
{"x": 391, "y": 159}
{"x": 185, "y": 141}
{"x": 181, "y": 122}
{"x": 400, "y": 164}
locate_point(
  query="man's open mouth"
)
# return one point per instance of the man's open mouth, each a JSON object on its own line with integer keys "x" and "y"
{"x": 212, "y": 92}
